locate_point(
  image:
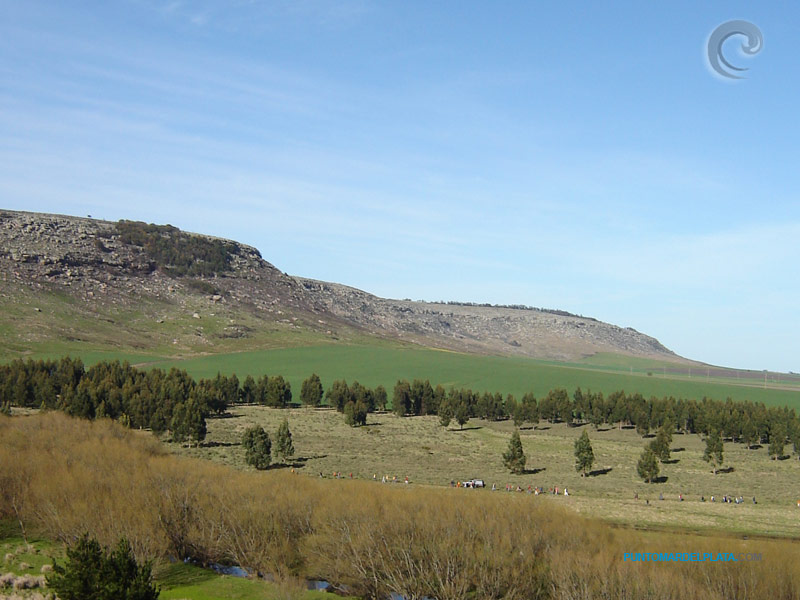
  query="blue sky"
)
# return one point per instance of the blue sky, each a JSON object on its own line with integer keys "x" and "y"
{"x": 576, "y": 157}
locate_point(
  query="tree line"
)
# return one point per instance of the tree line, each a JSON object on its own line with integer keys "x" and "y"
{"x": 747, "y": 422}
{"x": 174, "y": 401}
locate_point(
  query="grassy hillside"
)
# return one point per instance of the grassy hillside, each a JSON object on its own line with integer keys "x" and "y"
{"x": 420, "y": 448}
{"x": 49, "y": 322}
{"x": 373, "y": 365}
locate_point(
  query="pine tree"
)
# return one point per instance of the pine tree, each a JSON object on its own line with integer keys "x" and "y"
{"x": 461, "y": 413}
{"x": 512, "y": 410}
{"x": 514, "y": 458}
{"x": 648, "y": 465}
{"x": 311, "y": 391}
{"x": 661, "y": 444}
{"x": 530, "y": 409}
{"x": 355, "y": 413}
{"x": 284, "y": 447}
{"x": 338, "y": 395}
{"x": 749, "y": 433}
{"x": 248, "y": 393}
{"x": 642, "y": 423}
{"x": 279, "y": 392}
{"x": 794, "y": 436}
{"x": 777, "y": 441}
{"x": 713, "y": 451}
{"x": 380, "y": 397}
{"x": 258, "y": 447}
{"x": 446, "y": 412}
{"x": 179, "y": 426}
{"x": 584, "y": 455}
{"x": 94, "y": 574}
{"x": 195, "y": 420}
{"x": 401, "y": 399}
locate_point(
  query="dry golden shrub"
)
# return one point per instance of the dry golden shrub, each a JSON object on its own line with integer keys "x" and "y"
{"x": 62, "y": 477}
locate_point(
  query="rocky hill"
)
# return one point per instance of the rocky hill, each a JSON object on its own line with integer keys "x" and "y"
{"x": 487, "y": 329}
{"x": 126, "y": 284}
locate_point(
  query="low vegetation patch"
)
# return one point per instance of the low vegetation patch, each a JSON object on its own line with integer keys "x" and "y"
{"x": 177, "y": 252}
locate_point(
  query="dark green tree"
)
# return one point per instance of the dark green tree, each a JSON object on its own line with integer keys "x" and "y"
{"x": 338, "y": 395}
{"x": 446, "y": 411}
{"x": 279, "y": 392}
{"x": 795, "y": 435}
{"x": 648, "y": 465}
{"x": 261, "y": 390}
{"x": 461, "y": 412}
{"x": 258, "y": 447}
{"x": 355, "y": 413}
{"x": 195, "y": 420}
{"x": 642, "y": 422}
{"x": 661, "y": 445}
{"x": 311, "y": 391}
{"x": 179, "y": 426}
{"x": 514, "y": 458}
{"x": 248, "y": 393}
{"x": 381, "y": 398}
{"x": 401, "y": 398}
{"x": 530, "y": 409}
{"x": 713, "y": 451}
{"x": 91, "y": 573}
{"x": 284, "y": 447}
{"x": 777, "y": 441}
{"x": 359, "y": 394}
{"x": 584, "y": 455}
{"x": 514, "y": 410}
{"x": 749, "y": 433}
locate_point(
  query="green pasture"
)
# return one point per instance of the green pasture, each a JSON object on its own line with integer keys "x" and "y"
{"x": 374, "y": 365}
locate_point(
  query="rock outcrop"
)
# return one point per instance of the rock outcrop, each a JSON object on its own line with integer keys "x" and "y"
{"x": 93, "y": 262}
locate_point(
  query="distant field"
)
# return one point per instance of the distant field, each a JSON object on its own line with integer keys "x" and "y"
{"x": 426, "y": 452}
{"x": 373, "y": 365}
{"x": 384, "y": 362}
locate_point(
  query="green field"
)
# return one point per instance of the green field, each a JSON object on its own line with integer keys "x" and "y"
{"x": 428, "y": 454}
{"x": 385, "y": 364}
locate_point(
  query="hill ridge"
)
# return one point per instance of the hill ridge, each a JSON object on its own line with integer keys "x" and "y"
{"x": 102, "y": 265}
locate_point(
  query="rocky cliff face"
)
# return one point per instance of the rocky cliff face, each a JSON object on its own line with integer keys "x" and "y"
{"x": 94, "y": 263}
{"x": 521, "y": 331}
{"x": 90, "y": 258}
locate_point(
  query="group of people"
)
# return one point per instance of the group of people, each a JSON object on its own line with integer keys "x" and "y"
{"x": 728, "y": 499}
{"x": 384, "y": 478}
{"x": 387, "y": 479}
{"x": 535, "y": 490}
{"x": 336, "y": 475}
